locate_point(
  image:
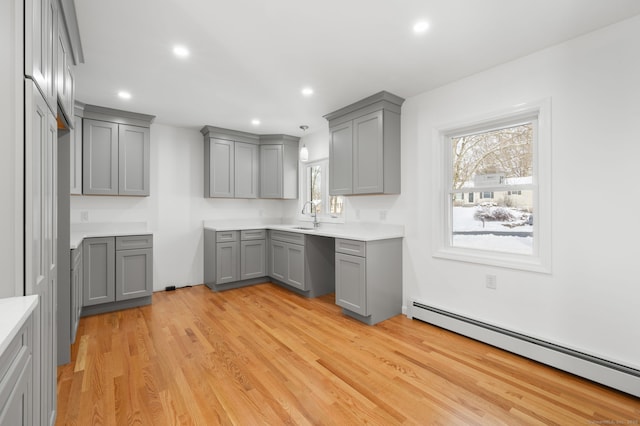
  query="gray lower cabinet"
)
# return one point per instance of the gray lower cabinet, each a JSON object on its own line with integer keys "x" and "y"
{"x": 76, "y": 290}
{"x": 17, "y": 378}
{"x": 227, "y": 262}
{"x": 364, "y": 146}
{"x": 134, "y": 267}
{"x": 115, "y": 152}
{"x": 99, "y": 264}
{"x": 253, "y": 255}
{"x": 287, "y": 258}
{"x": 368, "y": 277}
{"x": 117, "y": 272}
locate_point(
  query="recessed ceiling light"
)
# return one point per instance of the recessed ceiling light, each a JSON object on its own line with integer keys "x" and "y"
{"x": 180, "y": 51}
{"x": 420, "y": 27}
{"x": 124, "y": 95}
{"x": 307, "y": 91}
{"x": 255, "y": 122}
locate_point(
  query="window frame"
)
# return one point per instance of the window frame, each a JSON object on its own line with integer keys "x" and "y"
{"x": 442, "y": 226}
{"x": 305, "y": 190}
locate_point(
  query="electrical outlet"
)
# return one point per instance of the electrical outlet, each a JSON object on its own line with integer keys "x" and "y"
{"x": 357, "y": 214}
{"x": 383, "y": 215}
{"x": 84, "y": 216}
{"x": 492, "y": 282}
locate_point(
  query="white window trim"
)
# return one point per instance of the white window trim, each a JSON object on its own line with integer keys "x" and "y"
{"x": 324, "y": 218}
{"x": 540, "y": 260}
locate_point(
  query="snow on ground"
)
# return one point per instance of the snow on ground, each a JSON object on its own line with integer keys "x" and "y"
{"x": 463, "y": 221}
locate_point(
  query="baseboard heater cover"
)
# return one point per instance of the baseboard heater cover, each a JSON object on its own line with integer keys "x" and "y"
{"x": 612, "y": 374}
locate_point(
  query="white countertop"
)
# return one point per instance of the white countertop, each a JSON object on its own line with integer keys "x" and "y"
{"x": 80, "y": 231}
{"x": 359, "y": 231}
{"x": 13, "y": 313}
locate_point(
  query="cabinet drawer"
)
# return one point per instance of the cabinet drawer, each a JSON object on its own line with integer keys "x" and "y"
{"x": 353, "y": 247}
{"x": 289, "y": 237}
{"x": 134, "y": 242}
{"x": 15, "y": 351}
{"x": 253, "y": 234}
{"x": 226, "y": 236}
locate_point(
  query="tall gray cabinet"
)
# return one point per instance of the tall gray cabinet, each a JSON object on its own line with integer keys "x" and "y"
{"x": 115, "y": 152}
{"x": 364, "y": 146}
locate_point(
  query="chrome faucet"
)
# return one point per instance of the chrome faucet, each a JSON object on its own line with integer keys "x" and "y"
{"x": 313, "y": 213}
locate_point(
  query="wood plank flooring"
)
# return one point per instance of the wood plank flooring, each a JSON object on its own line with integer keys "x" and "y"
{"x": 263, "y": 355}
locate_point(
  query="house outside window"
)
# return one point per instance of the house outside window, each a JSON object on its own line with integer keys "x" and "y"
{"x": 497, "y": 163}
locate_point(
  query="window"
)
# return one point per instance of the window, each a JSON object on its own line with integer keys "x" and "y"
{"x": 497, "y": 163}
{"x": 315, "y": 188}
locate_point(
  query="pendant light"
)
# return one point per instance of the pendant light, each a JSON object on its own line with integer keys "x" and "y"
{"x": 304, "y": 152}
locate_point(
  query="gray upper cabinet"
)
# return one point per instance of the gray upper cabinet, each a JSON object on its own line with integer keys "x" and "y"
{"x": 133, "y": 160}
{"x": 75, "y": 160}
{"x": 100, "y": 157}
{"x": 279, "y": 166}
{"x": 230, "y": 163}
{"x": 115, "y": 152}
{"x": 246, "y": 170}
{"x": 65, "y": 74}
{"x": 364, "y": 146}
{"x": 41, "y": 27}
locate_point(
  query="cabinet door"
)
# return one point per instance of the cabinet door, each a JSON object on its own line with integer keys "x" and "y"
{"x": 98, "y": 262}
{"x": 368, "y": 172}
{"x": 221, "y": 168}
{"x": 134, "y": 273}
{"x": 99, "y": 157}
{"x": 75, "y": 163}
{"x": 341, "y": 159}
{"x": 227, "y": 262}
{"x": 246, "y": 170}
{"x": 271, "y": 171}
{"x": 133, "y": 160}
{"x": 279, "y": 262}
{"x": 76, "y": 291}
{"x": 295, "y": 266}
{"x": 351, "y": 283}
{"x": 252, "y": 259}
{"x": 40, "y": 46}
{"x": 41, "y": 240}
{"x": 17, "y": 408}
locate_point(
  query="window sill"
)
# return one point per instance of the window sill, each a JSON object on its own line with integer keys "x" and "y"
{"x": 503, "y": 260}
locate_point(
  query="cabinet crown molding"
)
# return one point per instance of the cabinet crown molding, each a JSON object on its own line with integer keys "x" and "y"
{"x": 381, "y": 100}
{"x": 112, "y": 115}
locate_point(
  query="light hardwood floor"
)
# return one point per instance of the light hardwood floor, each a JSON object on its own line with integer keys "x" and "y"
{"x": 263, "y": 355}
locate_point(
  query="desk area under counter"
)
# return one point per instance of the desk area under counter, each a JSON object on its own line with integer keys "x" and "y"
{"x": 361, "y": 263}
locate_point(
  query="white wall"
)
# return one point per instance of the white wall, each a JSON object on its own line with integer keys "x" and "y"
{"x": 176, "y": 208}
{"x": 591, "y": 300}
{"x": 11, "y": 151}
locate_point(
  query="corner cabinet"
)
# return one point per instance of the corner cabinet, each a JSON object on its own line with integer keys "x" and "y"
{"x": 279, "y": 166}
{"x": 115, "y": 152}
{"x": 231, "y": 163}
{"x": 369, "y": 278}
{"x": 364, "y": 146}
{"x": 244, "y": 165}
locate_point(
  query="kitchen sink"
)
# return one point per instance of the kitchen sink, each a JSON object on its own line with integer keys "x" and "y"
{"x": 304, "y": 228}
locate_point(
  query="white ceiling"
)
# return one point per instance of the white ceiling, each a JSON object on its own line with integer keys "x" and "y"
{"x": 251, "y": 58}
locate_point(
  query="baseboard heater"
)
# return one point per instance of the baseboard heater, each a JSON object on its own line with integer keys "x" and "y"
{"x": 608, "y": 373}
